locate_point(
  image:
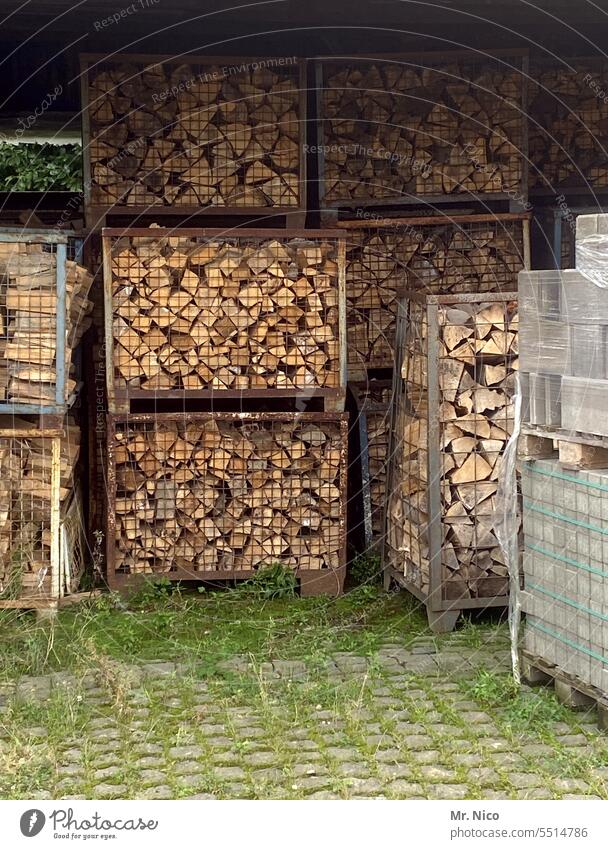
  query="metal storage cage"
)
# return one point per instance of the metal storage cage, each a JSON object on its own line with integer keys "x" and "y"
{"x": 453, "y": 414}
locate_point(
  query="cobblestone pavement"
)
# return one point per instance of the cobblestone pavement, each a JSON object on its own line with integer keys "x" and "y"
{"x": 399, "y": 724}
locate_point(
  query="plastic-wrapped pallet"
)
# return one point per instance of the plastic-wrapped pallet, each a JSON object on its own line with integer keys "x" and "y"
{"x": 565, "y": 525}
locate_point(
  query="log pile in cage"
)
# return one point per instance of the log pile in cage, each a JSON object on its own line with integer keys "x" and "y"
{"x": 206, "y": 496}
{"x": 36, "y": 494}
{"x": 194, "y": 133}
{"x": 454, "y": 416}
{"x": 465, "y": 253}
{"x": 421, "y": 125}
{"x": 202, "y": 312}
{"x": 44, "y": 311}
{"x": 568, "y": 119}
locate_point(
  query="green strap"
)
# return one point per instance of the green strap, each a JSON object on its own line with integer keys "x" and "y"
{"x": 566, "y": 641}
{"x": 563, "y": 559}
{"x": 562, "y": 476}
{"x": 566, "y": 600}
{"x": 552, "y": 515}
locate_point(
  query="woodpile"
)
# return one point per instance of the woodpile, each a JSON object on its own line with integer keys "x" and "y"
{"x": 194, "y": 134}
{"x": 481, "y": 254}
{"x": 422, "y": 127}
{"x": 28, "y": 322}
{"x": 227, "y": 493}
{"x": 569, "y": 119}
{"x": 474, "y": 382}
{"x": 225, "y": 313}
{"x": 27, "y": 500}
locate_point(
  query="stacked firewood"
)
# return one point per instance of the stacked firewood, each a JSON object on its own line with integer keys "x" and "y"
{"x": 28, "y": 322}
{"x": 240, "y": 313}
{"x": 476, "y": 364}
{"x": 193, "y": 135}
{"x": 399, "y": 127}
{"x": 447, "y": 258}
{"x": 27, "y": 498}
{"x": 229, "y": 492}
{"x": 569, "y": 111}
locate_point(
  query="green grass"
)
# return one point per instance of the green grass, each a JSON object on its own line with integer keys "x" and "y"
{"x": 205, "y": 629}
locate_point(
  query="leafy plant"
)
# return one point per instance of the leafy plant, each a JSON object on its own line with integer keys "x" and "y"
{"x": 40, "y": 167}
{"x": 274, "y": 581}
{"x": 366, "y": 568}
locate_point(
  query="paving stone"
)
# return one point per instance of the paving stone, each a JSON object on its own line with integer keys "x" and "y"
{"x": 157, "y": 668}
{"x": 161, "y": 791}
{"x": 152, "y": 776}
{"x": 267, "y": 774}
{"x": 570, "y": 785}
{"x": 237, "y": 790}
{"x": 72, "y": 755}
{"x": 394, "y": 770}
{"x": 404, "y": 789}
{"x": 447, "y": 791}
{"x": 190, "y": 780}
{"x": 356, "y": 770}
{"x": 436, "y": 773}
{"x": 311, "y": 782}
{"x": 342, "y": 754}
{"x": 108, "y": 772}
{"x": 70, "y": 769}
{"x": 228, "y": 772}
{"x": 102, "y": 734}
{"x": 484, "y": 776}
{"x": 150, "y": 762}
{"x": 308, "y": 769}
{"x": 572, "y": 740}
{"x": 417, "y": 741}
{"x": 148, "y": 749}
{"x": 34, "y": 688}
{"x": 260, "y": 759}
{"x": 110, "y": 791}
{"x": 185, "y": 752}
{"x": 425, "y": 756}
{"x": 534, "y": 793}
{"x": 323, "y": 794}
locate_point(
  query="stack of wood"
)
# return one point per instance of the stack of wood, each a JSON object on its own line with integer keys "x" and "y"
{"x": 27, "y": 499}
{"x": 481, "y": 254}
{"x": 458, "y": 467}
{"x": 569, "y": 112}
{"x": 28, "y": 322}
{"x": 238, "y": 313}
{"x": 193, "y": 135}
{"x": 224, "y": 493}
{"x": 420, "y": 127}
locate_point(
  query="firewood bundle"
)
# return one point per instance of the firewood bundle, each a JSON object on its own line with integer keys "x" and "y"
{"x": 229, "y": 492}
{"x": 474, "y": 380}
{"x": 26, "y": 500}
{"x": 409, "y": 126}
{"x": 235, "y": 313}
{"x": 28, "y": 322}
{"x": 435, "y": 257}
{"x": 569, "y": 111}
{"x": 193, "y": 135}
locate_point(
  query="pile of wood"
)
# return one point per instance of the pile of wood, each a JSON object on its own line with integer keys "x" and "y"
{"x": 420, "y": 127}
{"x": 569, "y": 118}
{"x": 192, "y": 135}
{"x": 238, "y": 313}
{"x": 477, "y": 359}
{"x": 28, "y": 322}
{"x": 27, "y": 499}
{"x": 481, "y": 254}
{"x": 228, "y": 492}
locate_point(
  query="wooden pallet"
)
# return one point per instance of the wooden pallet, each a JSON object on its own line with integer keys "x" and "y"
{"x": 569, "y": 690}
{"x": 573, "y": 450}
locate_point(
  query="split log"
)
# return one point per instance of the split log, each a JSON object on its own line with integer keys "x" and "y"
{"x": 191, "y": 135}
{"x": 230, "y": 313}
{"x": 229, "y": 493}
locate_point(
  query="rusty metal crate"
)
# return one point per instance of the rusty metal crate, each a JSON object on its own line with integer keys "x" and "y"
{"x": 440, "y": 543}
{"x": 234, "y": 363}
{"x": 189, "y": 110}
{"x": 436, "y": 254}
{"x": 367, "y": 130}
{"x": 210, "y": 515}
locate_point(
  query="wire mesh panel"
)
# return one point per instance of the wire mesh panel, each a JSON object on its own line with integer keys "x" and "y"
{"x": 202, "y": 311}
{"x": 454, "y": 415}
{"x": 29, "y": 515}
{"x": 374, "y": 403}
{"x": 43, "y": 313}
{"x": 223, "y": 494}
{"x": 194, "y": 133}
{"x": 421, "y": 125}
{"x": 568, "y": 111}
{"x": 463, "y": 254}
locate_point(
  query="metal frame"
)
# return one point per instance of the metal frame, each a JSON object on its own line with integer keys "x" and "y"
{"x": 442, "y": 612}
{"x": 411, "y": 199}
{"x": 118, "y": 402}
{"x": 55, "y": 561}
{"x": 93, "y": 214}
{"x": 312, "y": 581}
{"x": 60, "y": 240}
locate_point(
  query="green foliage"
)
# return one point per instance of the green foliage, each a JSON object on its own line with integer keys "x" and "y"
{"x": 274, "y": 581}
{"x": 40, "y": 167}
{"x": 366, "y": 568}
